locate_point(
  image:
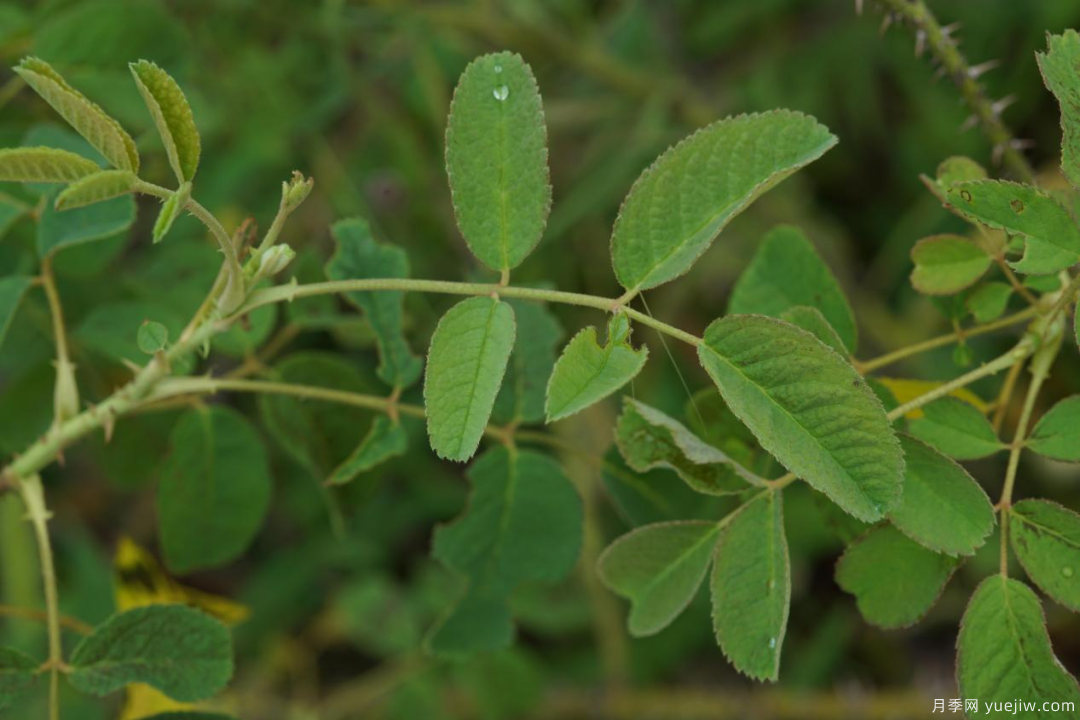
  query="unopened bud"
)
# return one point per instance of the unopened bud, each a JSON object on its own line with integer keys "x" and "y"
{"x": 295, "y": 191}
{"x": 273, "y": 261}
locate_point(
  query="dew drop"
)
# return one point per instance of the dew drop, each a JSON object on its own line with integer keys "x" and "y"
{"x": 1017, "y": 206}
{"x": 498, "y": 69}
{"x": 1067, "y": 572}
{"x": 772, "y": 643}
{"x": 501, "y": 93}
{"x": 966, "y": 195}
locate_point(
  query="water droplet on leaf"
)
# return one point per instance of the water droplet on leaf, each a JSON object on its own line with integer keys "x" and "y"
{"x": 772, "y": 643}
{"x": 498, "y": 68}
{"x": 1067, "y": 572}
{"x": 501, "y": 93}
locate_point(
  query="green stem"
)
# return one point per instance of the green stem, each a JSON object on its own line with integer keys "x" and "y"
{"x": 941, "y": 340}
{"x": 1024, "y": 348}
{"x": 36, "y": 512}
{"x": 944, "y": 48}
{"x": 281, "y": 293}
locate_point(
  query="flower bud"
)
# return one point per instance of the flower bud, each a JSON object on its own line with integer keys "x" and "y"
{"x": 295, "y": 191}
{"x": 273, "y": 261}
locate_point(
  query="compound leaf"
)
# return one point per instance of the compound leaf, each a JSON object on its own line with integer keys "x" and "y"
{"x": 44, "y": 165}
{"x": 685, "y": 198}
{"x": 87, "y": 118}
{"x": 751, "y": 587}
{"x": 214, "y": 491}
{"x": 180, "y": 651}
{"x": 12, "y": 290}
{"x": 988, "y": 301}
{"x": 386, "y": 439}
{"x": 946, "y": 264}
{"x": 18, "y": 673}
{"x": 787, "y": 272}
{"x": 523, "y": 523}
{"x": 1004, "y": 652}
{"x": 1053, "y": 240}
{"x": 466, "y": 363}
{"x": 1057, "y": 434}
{"x": 659, "y": 568}
{"x": 496, "y": 160}
{"x": 957, "y": 429}
{"x": 648, "y": 439}
{"x": 1046, "y": 539}
{"x": 521, "y": 397}
{"x": 942, "y": 507}
{"x": 894, "y": 579}
{"x": 172, "y": 116}
{"x": 587, "y": 372}
{"x": 808, "y": 408}
{"x": 1058, "y": 66}
{"x": 358, "y": 256}
{"x": 94, "y": 188}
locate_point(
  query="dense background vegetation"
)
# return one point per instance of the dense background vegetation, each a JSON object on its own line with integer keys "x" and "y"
{"x": 356, "y": 95}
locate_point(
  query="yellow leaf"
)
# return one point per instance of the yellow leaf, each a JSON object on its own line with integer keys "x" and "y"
{"x": 905, "y": 390}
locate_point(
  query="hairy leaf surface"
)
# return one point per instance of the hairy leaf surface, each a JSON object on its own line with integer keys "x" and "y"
{"x": 180, "y": 651}
{"x": 647, "y": 439}
{"x": 172, "y": 117}
{"x": 496, "y": 160}
{"x": 1058, "y": 66}
{"x": 808, "y": 408}
{"x": 1046, "y": 539}
{"x": 751, "y": 587}
{"x": 95, "y": 188}
{"x": 1052, "y": 238}
{"x": 942, "y": 507}
{"x": 522, "y": 523}
{"x": 957, "y": 429}
{"x": 44, "y": 165}
{"x": 659, "y": 568}
{"x": 1004, "y": 653}
{"x": 466, "y": 363}
{"x": 215, "y": 489}
{"x": 88, "y": 119}
{"x": 587, "y": 372}
{"x": 894, "y": 579}
{"x": 787, "y": 272}
{"x": 686, "y": 197}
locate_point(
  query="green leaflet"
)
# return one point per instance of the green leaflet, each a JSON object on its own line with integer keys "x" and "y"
{"x": 685, "y": 198}
{"x": 358, "y": 255}
{"x": 787, "y": 272}
{"x": 751, "y": 587}
{"x": 522, "y": 523}
{"x": 1057, "y": 434}
{"x": 521, "y": 398}
{"x": 659, "y": 568}
{"x": 1046, "y": 540}
{"x": 318, "y": 435}
{"x": 214, "y": 491}
{"x": 58, "y": 229}
{"x": 946, "y": 264}
{"x": 386, "y": 439}
{"x": 1004, "y": 653}
{"x": 988, "y": 301}
{"x": 812, "y": 321}
{"x": 12, "y": 290}
{"x": 648, "y": 439}
{"x": 188, "y": 715}
{"x": 152, "y": 337}
{"x": 94, "y": 188}
{"x": 44, "y": 165}
{"x": 654, "y": 496}
{"x": 1058, "y": 66}
{"x": 466, "y": 363}
{"x": 172, "y": 117}
{"x": 171, "y": 209}
{"x": 496, "y": 160}
{"x": 586, "y": 373}
{"x": 957, "y": 429}
{"x": 895, "y": 580}
{"x": 1053, "y": 240}
{"x": 89, "y": 120}
{"x": 808, "y": 408}
{"x": 942, "y": 507}
{"x": 180, "y": 651}
{"x": 18, "y": 673}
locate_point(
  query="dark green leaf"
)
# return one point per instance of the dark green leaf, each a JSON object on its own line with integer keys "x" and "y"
{"x": 1058, "y": 66}
{"x": 12, "y": 290}
{"x": 18, "y": 673}
{"x": 1057, "y": 434}
{"x": 385, "y": 440}
{"x": 989, "y": 300}
{"x": 521, "y": 398}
